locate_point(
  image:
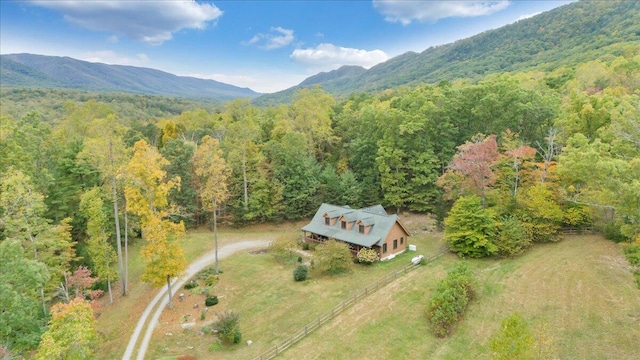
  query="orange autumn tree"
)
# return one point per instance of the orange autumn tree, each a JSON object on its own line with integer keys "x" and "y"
{"x": 147, "y": 192}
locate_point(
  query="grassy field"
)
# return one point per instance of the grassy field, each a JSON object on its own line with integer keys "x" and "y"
{"x": 117, "y": 321}
{"x": 577, "y": 293}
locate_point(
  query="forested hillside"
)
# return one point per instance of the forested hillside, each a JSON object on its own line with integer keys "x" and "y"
{"x": 565, "y": 36}
{"x": 51, "y": 103}
{"x": 27, "y": 70}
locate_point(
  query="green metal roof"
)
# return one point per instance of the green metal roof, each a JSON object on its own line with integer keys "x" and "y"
{"x": 375, "y": 216}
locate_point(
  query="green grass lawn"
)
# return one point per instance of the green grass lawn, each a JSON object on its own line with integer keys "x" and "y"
{"x": 271, "y": 305}
{"x": 577, "y": 294}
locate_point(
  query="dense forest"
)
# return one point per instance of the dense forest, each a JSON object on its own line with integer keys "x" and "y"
{"x": 503, "y": 163}
{"x": 565, "y": 36}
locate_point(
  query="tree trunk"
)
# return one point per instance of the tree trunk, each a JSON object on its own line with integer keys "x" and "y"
{"x": 244, "y": 179}
{"x": 215, "y": 235}
{"x": 126, "y": 248}
{"x": 169, "y": 287}
{"x": 41, "y": 288}
{"x": 114, "y": 194}
{"x": 110, "y": 293}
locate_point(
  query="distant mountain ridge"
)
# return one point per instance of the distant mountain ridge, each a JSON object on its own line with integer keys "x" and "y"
{"x": 28, "y": 70}
{"x": 570, "y": 34}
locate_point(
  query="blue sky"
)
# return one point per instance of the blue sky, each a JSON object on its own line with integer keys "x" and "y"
{"x": 264, "y": 45}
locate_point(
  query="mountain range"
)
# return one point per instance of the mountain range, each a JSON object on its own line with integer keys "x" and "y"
{"x": 28, "y": 70}
{"x": 568, "y": 35}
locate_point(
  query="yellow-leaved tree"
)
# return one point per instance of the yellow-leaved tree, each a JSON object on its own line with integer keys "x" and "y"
{"x": 212, "y": 173}
{"x": 146, "y": 192}
{"x": 72, "y": 332}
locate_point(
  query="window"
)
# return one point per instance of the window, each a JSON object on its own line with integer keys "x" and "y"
{"x": 327, "y": 221}
{"x": 402, "y": 240}
{"x": 361, "y": 229}
{"x": 343, "y": 224}
{"x": 384, "y": 248}
{"x": 395, "y": 244}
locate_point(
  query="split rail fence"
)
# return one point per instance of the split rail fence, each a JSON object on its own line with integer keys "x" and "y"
{"x": 326, "y": 317}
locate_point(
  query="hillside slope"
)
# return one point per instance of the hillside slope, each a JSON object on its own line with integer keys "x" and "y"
{"x": 28, "y": 70}
{"x": 565, "y": 36}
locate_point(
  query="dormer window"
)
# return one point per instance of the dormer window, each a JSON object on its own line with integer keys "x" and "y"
{"x": 327, "y": 221}
{"x": 343, "y": 225}
{"x": 361, "y": 229}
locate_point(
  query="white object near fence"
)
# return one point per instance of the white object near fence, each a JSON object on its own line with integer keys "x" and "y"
{"x": 416, "y": 260}
{"x": 412, "y": 248}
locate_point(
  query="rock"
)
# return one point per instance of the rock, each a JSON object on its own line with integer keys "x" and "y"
{"x": 190, "y": 347}
{"x": 196, "y": 306}
{"x": 181, "y": 296}
{"x": 249, "y": 342}
{"x": 189, "y": 325}
{"x": 168, "y": 334}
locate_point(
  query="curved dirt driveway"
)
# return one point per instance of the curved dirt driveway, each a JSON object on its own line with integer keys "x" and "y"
{"x": 161, "y": 298}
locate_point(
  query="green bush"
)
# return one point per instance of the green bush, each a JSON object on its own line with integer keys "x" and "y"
{"x": 450, "y": 300}
{"x": 300, "y": 272}
{"x": 190, "y": 285}
{"x": 512, "y": 238}
{"x": 470, "y": 229}
{"x": 632, "y": 253}
{"x": 613, "y": 233}
{"x": 367, "y": 256}
{"x": 513, "y": 341}
{"x": 211, "y": 300}
{"x": 228, "y": 327}
{"x": 333, "y": 257}
{"x": 284, "y": 248}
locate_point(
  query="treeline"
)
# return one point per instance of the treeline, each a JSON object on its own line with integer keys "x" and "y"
{"x": 526, "y": 154}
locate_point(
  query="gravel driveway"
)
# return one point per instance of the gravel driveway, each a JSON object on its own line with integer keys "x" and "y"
{"x": 159, "y": 303}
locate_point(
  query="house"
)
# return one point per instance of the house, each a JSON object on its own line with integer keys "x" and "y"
{"x": 369, "y": 227}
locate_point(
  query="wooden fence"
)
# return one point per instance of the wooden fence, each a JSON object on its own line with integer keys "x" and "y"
{"x": 326, "y": 317}
{"x": 577, "y": 231}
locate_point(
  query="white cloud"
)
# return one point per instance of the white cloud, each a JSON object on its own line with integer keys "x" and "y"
{"x": 113, "y": 39}
{"x": 329, "y": 56}
{"x": 111, "y": 57}
{"x": 153, "y": 22}
{"x": 405, "y": 12}
{"x": 278, "y": 37}
{"x": 526, "y": 16}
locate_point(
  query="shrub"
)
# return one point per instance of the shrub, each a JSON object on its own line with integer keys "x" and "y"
{"x": 190, "y": 285}
{"x": 512, "y": 238}
{"x": 613, "y": 233}
{"x": 539, "y": 213}
{"x": 367, "y": 256}
{"x": 216, "y": 345}
{"x": 470, "y": 229}
{"x": 300, "y": 272}
{"x": 228, "y": 327}
{"x": 632, "y": 253}
{"x": 211, "y": 300}
{"x": 450, "y": 300}
{"x": 333, "y": 257}
{"x": 579, "y": 216}
{"x": 513, "y": 341}
{"x": 284, "y": 247}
